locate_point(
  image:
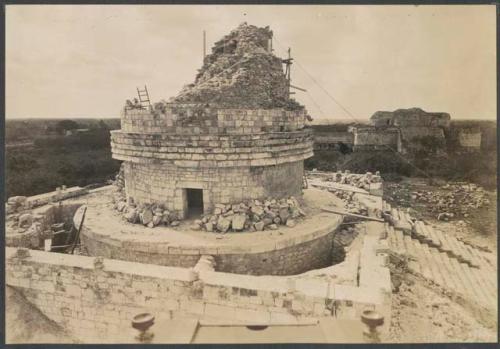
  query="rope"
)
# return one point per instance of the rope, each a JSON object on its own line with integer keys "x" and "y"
{"x": 350, "y": 114}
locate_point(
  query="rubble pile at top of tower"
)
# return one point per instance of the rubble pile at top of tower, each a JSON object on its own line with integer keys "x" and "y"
{"x": 241, "y": 72}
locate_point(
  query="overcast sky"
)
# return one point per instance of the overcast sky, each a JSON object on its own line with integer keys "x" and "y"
{"x": 84, "y": 61}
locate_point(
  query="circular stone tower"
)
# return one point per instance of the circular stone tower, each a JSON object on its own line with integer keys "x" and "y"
{"x": 232, "y": 135}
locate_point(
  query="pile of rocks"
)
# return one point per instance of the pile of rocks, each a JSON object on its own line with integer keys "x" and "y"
{"x": 453, "y": 200}
{"x": 350, "y": 204}
{"x": 148, "y": 215}
{"x": 245, "y": 216}
{"x": 16, "y": 204}
{"x": 356, "y": 180}
{"x": 251, "y": 216}
{"x": 241, "y": 72}
{"x": 120, "y": 178}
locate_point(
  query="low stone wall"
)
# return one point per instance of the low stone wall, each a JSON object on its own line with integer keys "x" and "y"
{"x": 96, "y": 299}
{"x": 55, "y": 196}
{"x": 375, "y": 138}
{"x": 469, "y": 138}
{"x": 309, "y": 250}
{"x": 43, "y": 218}
{"x": 333, "y": 137}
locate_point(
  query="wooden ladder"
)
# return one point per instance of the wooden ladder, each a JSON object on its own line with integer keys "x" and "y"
{"x": 144, "y": 97}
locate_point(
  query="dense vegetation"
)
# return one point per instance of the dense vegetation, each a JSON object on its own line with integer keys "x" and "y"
{"x": 53, "y": 160}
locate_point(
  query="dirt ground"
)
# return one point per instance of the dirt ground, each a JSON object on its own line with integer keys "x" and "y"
{"x": 26, "y": 324}
{"x": 423, "y": 314}
{"x": 479, "y": 228}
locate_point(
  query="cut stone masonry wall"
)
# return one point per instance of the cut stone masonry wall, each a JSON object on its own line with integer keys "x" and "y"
{"x": 288, "y": 255}
{"x": 97, "y": 298}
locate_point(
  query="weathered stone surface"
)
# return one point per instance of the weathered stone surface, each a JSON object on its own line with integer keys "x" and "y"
{"x": 259, "y": 226}
{"x": 132, "y": 215}
{"x": 223, "y": 224}
{"x": 17, "y": 200}
{"x": 25, "y": 220}
{"x": 120, "y": 206}
{"x": 146, "y": 216}
{"x": 284, "y": 214}
{"x": 157, "y": 220}
{"x": 238, "y": 221}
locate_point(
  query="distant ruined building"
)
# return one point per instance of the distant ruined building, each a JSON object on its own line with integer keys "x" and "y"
{"x": 403, "y": 130}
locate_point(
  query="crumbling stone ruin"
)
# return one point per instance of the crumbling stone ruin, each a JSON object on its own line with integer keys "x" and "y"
{"x": 415, "y": 129}
{"x": 232, "y": 137}
{"x": 403, "y": 130}
{"x": 412, "y": 117}
{"x": 241, "y": 72}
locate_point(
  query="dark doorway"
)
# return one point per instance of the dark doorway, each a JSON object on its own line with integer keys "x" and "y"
{"x": 194, "y": 202}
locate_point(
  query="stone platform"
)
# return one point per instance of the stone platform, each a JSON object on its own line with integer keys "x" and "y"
{"x": 285, "y": 251}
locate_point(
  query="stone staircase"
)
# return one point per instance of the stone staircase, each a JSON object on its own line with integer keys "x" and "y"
{"x": 457, "y": 268}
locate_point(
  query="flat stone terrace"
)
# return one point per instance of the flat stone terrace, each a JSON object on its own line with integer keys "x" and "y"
{"x": 285, "y": 251}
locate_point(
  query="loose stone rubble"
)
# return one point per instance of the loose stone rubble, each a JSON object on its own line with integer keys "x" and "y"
{"x": 357, "y": 180}
{"x": 451, "y": 201}
{"x": 362, "y": 181}
{"x": 252, "y": 216}
{"x": 241, "y": 71}
{"x": 150, "y": 215}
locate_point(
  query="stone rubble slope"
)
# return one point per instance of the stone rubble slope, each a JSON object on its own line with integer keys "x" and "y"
{"x": 240, "y": 72}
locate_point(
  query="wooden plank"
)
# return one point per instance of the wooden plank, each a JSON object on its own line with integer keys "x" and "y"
{"x": 337, "y": 186}
{"x": 344, "y": 213}
{"x": 77, "y": 237}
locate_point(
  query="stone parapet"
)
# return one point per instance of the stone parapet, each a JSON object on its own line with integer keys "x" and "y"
{"x": 310, "y": 249}
{"x": 96, "y": 298}
{"x": 193, "y": 119}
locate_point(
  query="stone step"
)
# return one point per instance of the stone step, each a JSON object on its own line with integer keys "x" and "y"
{"x": 443, "y": 268}
{"x": 417, "y": 251}
{"x": 445, "y": 245}
{"x": 490, "y": 292}
{"x": 472, "y": 261}
{"x": 390, "y": 237}
{"x": 468, "y": 289}
{"x": 424, "y": 265}
{"x": 414, "y": 262}
{"x": 482, "y": 297}
{"x": 455, "y": 281}
{"x": 462, "y": 252}
{"x": 400, "y": 240}
{"x": 393, "y": 242}
{"x": 436, "y": 275}
{"x": 481, "y": 261}
{"x": 434, "y": 240}
{"x": 438, "y": 266}
{"x": 445, "y": 274}
{"x": 488, "y": 280}
{"x": 448, "y": 244}
{"x": 416, "y": 230}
